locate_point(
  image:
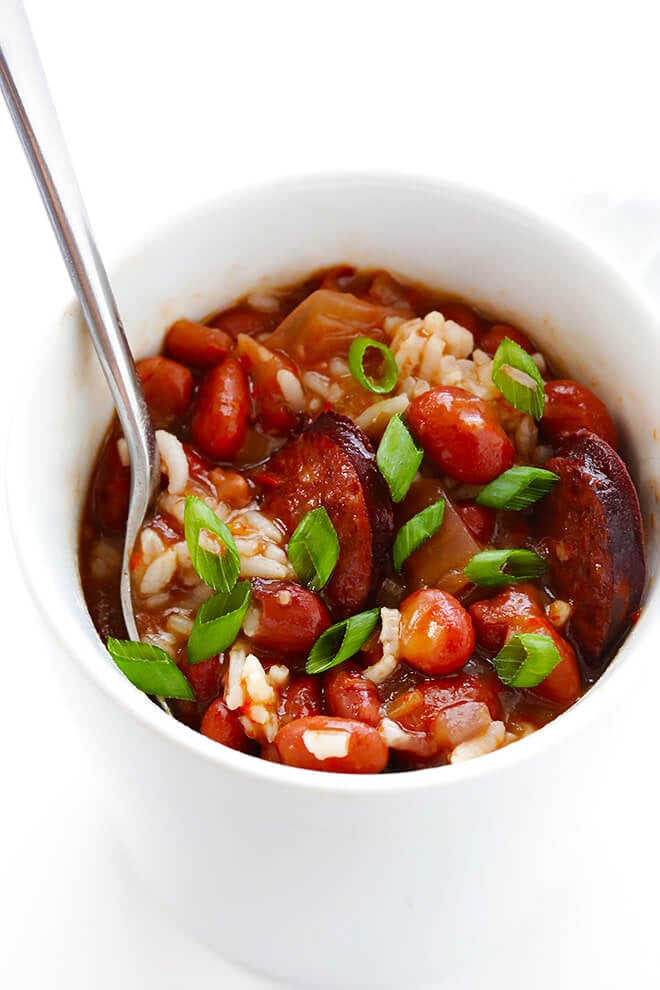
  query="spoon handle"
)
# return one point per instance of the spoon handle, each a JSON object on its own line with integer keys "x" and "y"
{"x": 26, "y": 91}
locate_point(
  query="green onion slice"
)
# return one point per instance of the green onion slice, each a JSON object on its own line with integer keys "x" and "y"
{"x": 518, "y": 378}
{"x": 526, "y": 660}
{"x": 493, "y": 568}
{"x": 390, "y": 372}
{"x": 314, "y": 549}
{"x": 517, "y": 488}
{"x": 417, "y": 531}
{"x": 218, "y": 622}
{"x": 398, "y": 457}
{"x": 219, "y": 570}
{"x": 341, "y": 641}
{"x": 150, "y": 669}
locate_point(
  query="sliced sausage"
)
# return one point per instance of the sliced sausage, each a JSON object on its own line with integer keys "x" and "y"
{"x": 495, "y": 334}
{"x": 333, "y": 464}
{"x": 284, "y": 617}
{"x": 461, "y": 434}
{"x": 589, "y": 529}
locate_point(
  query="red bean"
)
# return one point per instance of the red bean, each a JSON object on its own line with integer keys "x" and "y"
{"x": 167, "y": 387}
{"x": 517, "y": 610}
{"x": 285, "y": 617}
{"x": 244, "y": 319}
{"x": 219, "y": 422}
{"x": 359, "y": 747}
{"x": 459, "y": 313}
{"x": 263, "y": 366}
{"x": 222, "y": 725}
{"x": 494, "y": 336}
{"x": 301, "y": 697}
{"x": 571, "y": 407}
{"x": 204, "y": 677}
{"x": 437, "y": 636}
{"x": 350, "y": 695}
{"x": 111, "y": 488}
{"x": 197, "y": 344}
{"x": 479, "y": 519}
{"x": 461, "y": 434}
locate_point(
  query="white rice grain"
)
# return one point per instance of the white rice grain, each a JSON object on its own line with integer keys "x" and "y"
{"x": 173, "y": 461}
{"x": 159, "y": 573}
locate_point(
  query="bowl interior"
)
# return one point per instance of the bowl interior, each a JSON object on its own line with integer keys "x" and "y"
{"x": 510, "y": 263}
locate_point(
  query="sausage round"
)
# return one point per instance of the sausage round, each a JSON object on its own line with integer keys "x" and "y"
{"x": 589, "y": 529}
{"x": 333, "y": 464}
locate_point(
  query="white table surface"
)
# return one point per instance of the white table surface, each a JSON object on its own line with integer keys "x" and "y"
{"x": 165, "y": 104}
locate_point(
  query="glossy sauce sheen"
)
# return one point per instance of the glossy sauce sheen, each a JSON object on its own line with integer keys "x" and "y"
{"x": 218, "y": 388}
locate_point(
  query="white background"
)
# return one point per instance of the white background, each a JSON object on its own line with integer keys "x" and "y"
{"x": 165, "y": 104}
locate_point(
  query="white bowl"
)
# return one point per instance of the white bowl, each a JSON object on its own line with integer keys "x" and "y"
{"x": 314, "y": 878}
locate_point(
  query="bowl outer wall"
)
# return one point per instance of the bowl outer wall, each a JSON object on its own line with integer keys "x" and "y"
{"x": 305, "y": 875}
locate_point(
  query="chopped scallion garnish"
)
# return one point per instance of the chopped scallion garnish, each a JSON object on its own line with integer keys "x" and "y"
{"x": 314, "y": 549}
{"x": 492, "y": 568}
{"x": 518, "y": 379}
{"x": 218, "y": 622}
{"x": 341, "y": 641}
{"x": 356, "y": 355}
{"x": 517, "y": 488}
{"x": 417, "y": 531}
{"x": 398, "y": 457}
{"x": 219, "y": 569}
{"x": 150, "y": 669}
{"x": 526, "y": 660}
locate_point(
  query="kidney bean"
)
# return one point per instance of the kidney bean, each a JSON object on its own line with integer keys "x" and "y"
{"x": 274, "y": 413}
{"x": 111, "y": 488}
{"x": 204, "y": 677}
{"x": 461, "y": 434}
{"x": 244, "y": 319}
{"x": 350, "y": 695}
{"x": 436, "y": 636}
{"x": 570, "y": 408}
{"x": 285, "y": 617}
{"x": 269, "y": 752}
{"x": 479, "y": 519}
{"x": 358, "y": 748}
{"x": 167, "y": 387}
{"x": 197, "y": 344}
{"x": 496, "y": 333}
{"x": 515, "y": 611}
{"x": 301, "y": 697}
{"x": 220, "y": 417}
{"x": 222, "y": 724}
{"x": 459, "y": 313}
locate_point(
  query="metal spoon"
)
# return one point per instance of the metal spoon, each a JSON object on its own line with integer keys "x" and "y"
{"x": 26, "y": 91}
